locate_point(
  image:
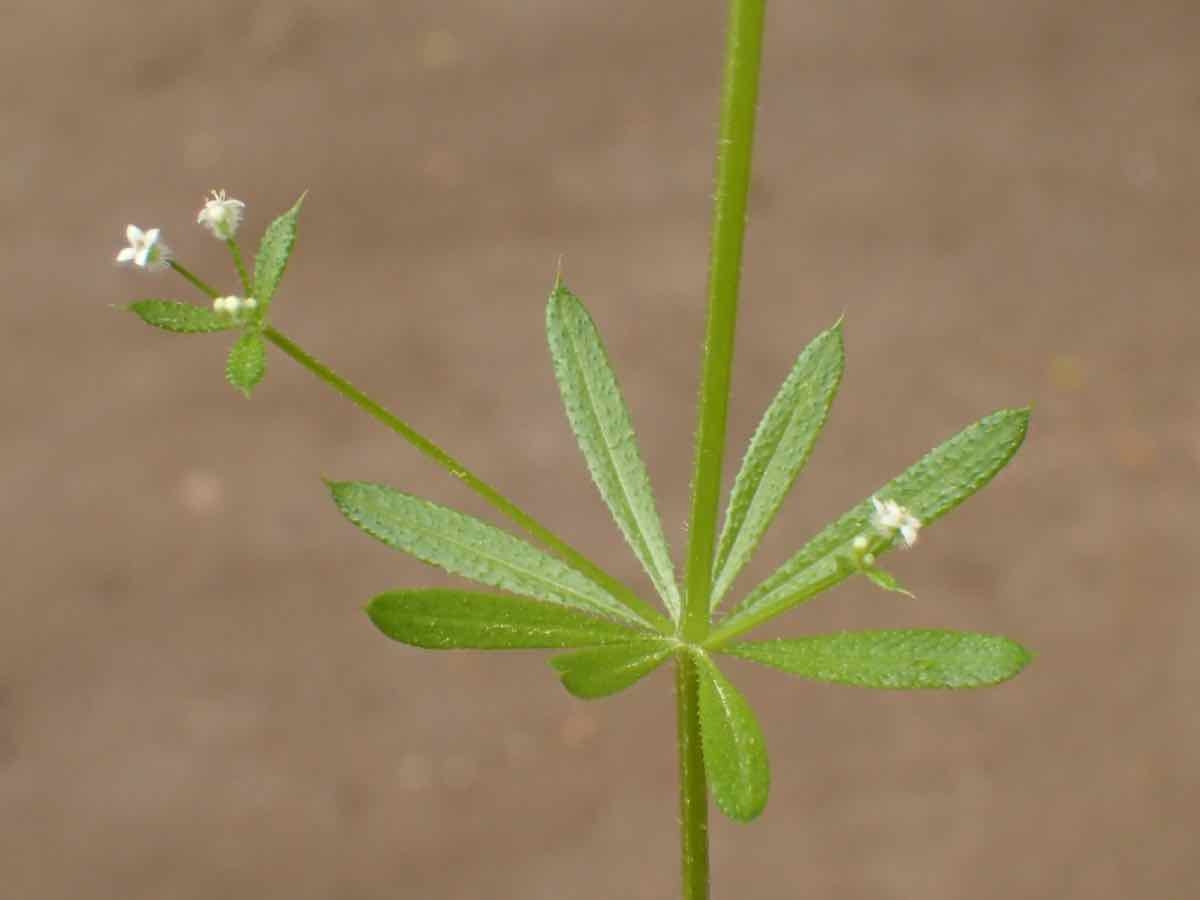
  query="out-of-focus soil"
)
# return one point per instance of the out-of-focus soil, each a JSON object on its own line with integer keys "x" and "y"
{"x": 1002, "y": 198}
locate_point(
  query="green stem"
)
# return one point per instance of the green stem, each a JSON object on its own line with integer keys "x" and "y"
{"x": 749, "y": 618}
{"x": 739, "y": 102}
{"x": 236, "y": 252}
{"x": 693, "y": 786}
{"x": 201, "y": 285}
{"x": 524, "y": 520}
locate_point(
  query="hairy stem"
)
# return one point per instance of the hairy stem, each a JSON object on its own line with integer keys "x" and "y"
{"x": 236, "y": 252}
{"x": 522, "y": 519}
{"x": 202, "y": 286}
{"x": 739, "y": 102}
{"x": 693, "y": 785}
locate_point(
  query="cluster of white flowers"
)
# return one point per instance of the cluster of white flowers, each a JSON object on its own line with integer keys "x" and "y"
{"x": 221, "y": 215}
{"x": 234, "y": 305}
{"x": 890, "y": 517}
{"x": 146, "y": 249}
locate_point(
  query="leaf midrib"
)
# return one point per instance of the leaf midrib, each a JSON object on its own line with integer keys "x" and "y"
{"x": 542, "y": 579}
{"x": 742, "y": 766}
{"x": 655, "y": 566}
{"x": 435, "y": 621}
{"x": 769, "y": 458}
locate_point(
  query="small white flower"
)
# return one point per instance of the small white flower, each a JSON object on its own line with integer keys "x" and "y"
{"x": 146, "y": 249}
{"x": 890, "y": 517}
{"x": 221, "y": 215}
{"x": 249, "y": 303}
{"x": 861, "y": 543}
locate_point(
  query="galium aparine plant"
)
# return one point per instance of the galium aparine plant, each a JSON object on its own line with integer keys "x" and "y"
{"x": 546, "y": 594}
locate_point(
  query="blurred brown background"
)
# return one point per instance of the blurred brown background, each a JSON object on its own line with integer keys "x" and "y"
{"x": 1002, "y": 199}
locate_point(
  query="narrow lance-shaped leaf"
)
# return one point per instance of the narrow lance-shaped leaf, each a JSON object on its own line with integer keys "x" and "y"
{"x": 442, "y": 619}
{"x": 778, "y": 451}
{"x": 735, "y": 754}
{"x": 898, "y": 660}
{"x": 604, "y": 429}
{"x": 247, "y": 362}
{"x": 464, "y": 545}
{"x": 180, "y": 318}
{"x": 274, "y": 251}
{"x": 603, "y": 671}
{"x": 942, "y": 480}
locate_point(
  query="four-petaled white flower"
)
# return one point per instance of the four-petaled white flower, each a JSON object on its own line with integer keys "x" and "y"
{"x": 146, "y": 249}
{"x": 890, "y": 517}
{"x": 221, "y": 215}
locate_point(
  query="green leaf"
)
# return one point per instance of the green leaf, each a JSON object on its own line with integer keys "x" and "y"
{"x": 273, "y": 253}
{"x": 603, "y": 427}
{"x": 450, "y": 619}
{"x": 735, "y": 755}
{"x": 900, "y": 660}
{"x": 778, "y": 451}
{"x": 247, "y": 362}
{"x": 885, "y": 580}
{"x": 466, "y": 546}
{"x": 602, "y": 671}
{"x": 937, "y": 484}
{"x": 181, "y": 318}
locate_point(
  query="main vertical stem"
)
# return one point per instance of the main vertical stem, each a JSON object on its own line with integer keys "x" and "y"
{"x": 693, "y": 785}
{"x": 739, "y": 105}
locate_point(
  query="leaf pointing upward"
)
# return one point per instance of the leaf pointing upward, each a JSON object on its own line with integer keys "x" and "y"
{"x": 778, "y": 451}
{"x": 605, "y": 432}
{"x": 274, "y": 251}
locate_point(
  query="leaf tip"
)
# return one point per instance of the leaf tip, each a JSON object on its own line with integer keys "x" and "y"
{"x": 560, "y": 294}
{"x": 135, "y": 307}
{"x": 743, "y": 814}
{"x": 838, "y": 335}
{"x": 1023, "y": 415}
{"x": 1023, "y": 656}
{"x": 337, "y": 491}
